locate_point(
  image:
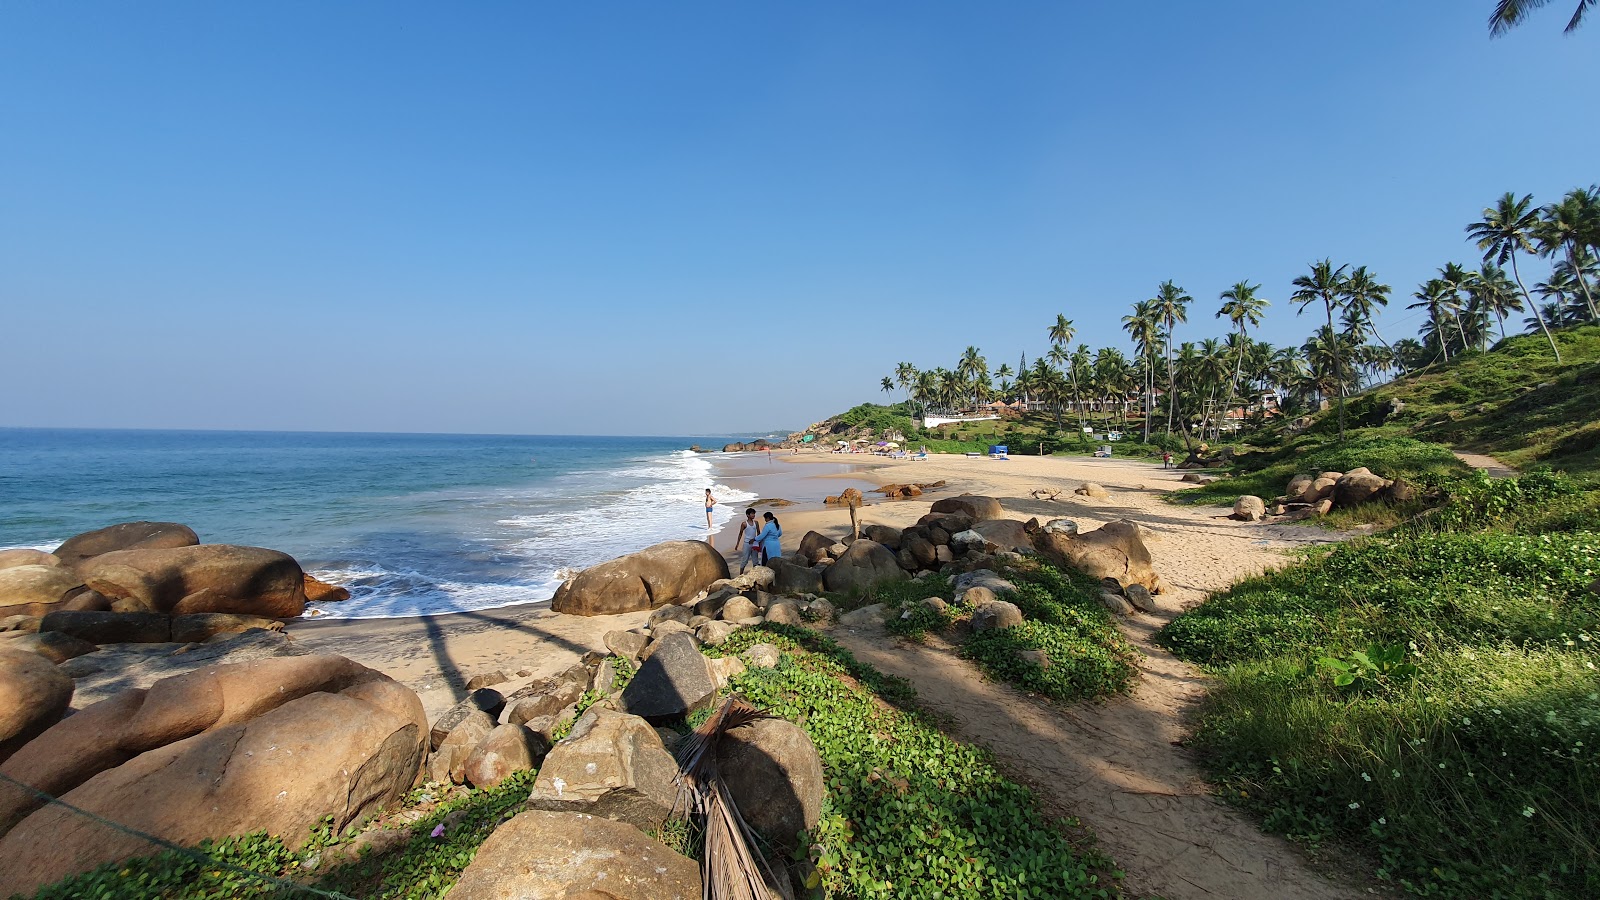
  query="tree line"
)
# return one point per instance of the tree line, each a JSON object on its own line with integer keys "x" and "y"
{"x": 1192, "y": 385}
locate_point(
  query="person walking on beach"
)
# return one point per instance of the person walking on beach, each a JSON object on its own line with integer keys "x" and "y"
{"x": 1166, "y": 459}
{"x": 770, "y": 533}
{"x": 711, "y": 503}
{"x": 747, "y": 541}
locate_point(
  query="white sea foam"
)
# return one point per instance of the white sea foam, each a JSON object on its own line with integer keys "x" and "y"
{"x": 47, "y": 547}
{"x": 558, "y": 527}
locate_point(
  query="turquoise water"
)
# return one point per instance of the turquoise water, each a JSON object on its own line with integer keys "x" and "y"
{"x": 412, "y": 524}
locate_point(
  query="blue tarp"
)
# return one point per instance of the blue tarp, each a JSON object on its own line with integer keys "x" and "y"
{"x": 999, "y": 448}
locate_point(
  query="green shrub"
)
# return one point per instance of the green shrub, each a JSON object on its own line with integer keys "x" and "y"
{"x": 910, "y": 813}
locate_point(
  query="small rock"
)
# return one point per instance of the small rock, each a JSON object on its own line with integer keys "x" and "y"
{"x": 674, "y": 682}
{"x": 785, "y": 613}
{"x": 507, "y": 749}
{"x": 715, "y": 634}
{"x": 866, "y": 615}
{"x": 1035, "y": 657}
{"x": 679, "y": 614}
{"x": 611, "y": 766}
{"x": 487, "y": 679}
{"x": 486, "y": 700}
{"x": 1139, "y": 596}
{"x": 936, "y": 604}
{"x": 725, "y": 668}
{"x": 668, "y": 626}
{"x": 820, "y": 609}
{"x": 1249, "y": 508}
{"x": 542, "y": 698}
{"x": 762, "y": 656}
{"x": 449, "y": 760}
{"x": 837, "y": 550}
{"x": 626, "y": 644}
{"x": 1116, "y": 603}
{"x": 977, "y": 596}
{"x": 999, "y": 614}
{"x": 1061, "y": 526}
{"x": 739, "y": 608}
{"x": 605, "y": 676}
{"x": 1090, "y": 489}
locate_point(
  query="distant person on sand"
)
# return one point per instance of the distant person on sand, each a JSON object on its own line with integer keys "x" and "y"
{"x": 770, "y": 533}
{"x": 749, "y": 532}
{"x": 711, "y": 503}
{"x": 1166, "y": 459}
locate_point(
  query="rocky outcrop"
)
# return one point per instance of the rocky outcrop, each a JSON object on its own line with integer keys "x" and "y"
{"x": 865, "y": 564}
{"x": 209, "y": 578}
{"x": 33, "y": 695}
{"x": 775, "y": 777}
{"x": 126, "y": 536}
{"x": 23, "y": 556}
{"x": 1113, "y": 550}
{"x": 541, "y": 855}
{"x": 273, "y": 745}
{"x": 612, "y": 766}
{"x": 980, "y": 508}
{"x": 34, "y": 589}
{"x": 658, "y": 575}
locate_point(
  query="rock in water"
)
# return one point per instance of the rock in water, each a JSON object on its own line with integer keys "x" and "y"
{"x": 612, "y": 766}
{"x": 556, "y": 856}
{"x": 210, "y": 578}
{"x": 127, "y": 536}
{"x": 33, "y": 695}
{"x": 655, "y": 576}
{"x": 35, "y": 590}
{"x": 274, "y": 745}
{"x": 980, "y": 508}
{"x": 1114, "y": 550}
{"x": 322, "y": 592}
{"x": 775, "y": 776}
{"x": 865, "y": 564}
{"x": 672, "y": 683}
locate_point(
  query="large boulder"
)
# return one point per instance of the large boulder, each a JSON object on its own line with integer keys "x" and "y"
{"x": 611, "y": 766}
{"x": 674, "y": 682}
{"x": 655, "y": 576}
{"x": 33, "y": 695}
{"x": 507, "y": 750}
{"x": 775, "y": 776}
{"x": 126, "y": 536}
{"x": 919, "y": 548}
{"x": 70, "y": 753}
{"x": 34, "y": 590}
{"x": 449, "y": 761}
{"x": 883, "y": 534}
{"x": 1298, "y": 487}
{"x": 113, "y": 627}
{"x": 1114, "y": 550}
{"x": 273, "y": 745}
{"x": 210, "y": 578}
{"x": 865, "y": 564}
{"x": 1007, "y": 534}
{"x": 1357, "y": 487}
{"x": 980, "y": 508}
{"x": 24, "y": 556}
{"x": 793, "y": 578}
{"x": 814, "y": 547}
{"x": 541, "y": 855}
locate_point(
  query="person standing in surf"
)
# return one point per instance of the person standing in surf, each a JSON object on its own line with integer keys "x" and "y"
{"x": 711, "y": 503}
{"x": 770, "y": 533}
{"x": 747, "y": 541}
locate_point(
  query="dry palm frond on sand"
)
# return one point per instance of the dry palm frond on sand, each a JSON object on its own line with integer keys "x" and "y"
{"x": 730, "y": 867}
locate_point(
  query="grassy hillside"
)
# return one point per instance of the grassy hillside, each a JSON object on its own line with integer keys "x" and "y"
{"x": 1514, "y": 403}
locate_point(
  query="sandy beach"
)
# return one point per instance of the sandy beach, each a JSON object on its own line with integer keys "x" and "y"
{"x": 1196, "y": 550}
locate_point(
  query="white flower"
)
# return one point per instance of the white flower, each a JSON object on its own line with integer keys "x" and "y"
{"x": 1527, "y": 811}
{"x": 1365, "y": 777}
{"x": 1382, "y": 820}
{"x": 1466, "y": 721}
{"x": 1355, "y": 805}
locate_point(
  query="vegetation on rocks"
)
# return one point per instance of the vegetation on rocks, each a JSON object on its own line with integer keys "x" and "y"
{"x": 1430, "y": 695}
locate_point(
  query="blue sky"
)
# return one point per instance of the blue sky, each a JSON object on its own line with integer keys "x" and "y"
{"x": 709, "y": 218}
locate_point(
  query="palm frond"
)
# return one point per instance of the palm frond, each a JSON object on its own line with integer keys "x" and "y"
{"x": 730, "y": 868}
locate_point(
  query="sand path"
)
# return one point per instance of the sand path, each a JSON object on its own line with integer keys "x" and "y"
{"x": 1116, "y": 766}
{"x": 1494, "y": 467}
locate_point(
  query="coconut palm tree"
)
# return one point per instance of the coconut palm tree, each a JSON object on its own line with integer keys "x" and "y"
{"x": 1510, "y": 13}
{"x": 1495, "y": 293}
{"x": 887, "y": 384}
{"x": 1143, "y": 326}
{"x": 1505, "y": 228}
{"x": 1433, "y": 296}
{"x": 1171, "y": 307}
{"x": 1079, "y": 366}
{"x": 1062, "y": 332}
{"x": 1460, "y": 281}
{"x": 1243, "y": 309}
{"x": 1325, "y": 284}
{"x": 1363, "y": 294}
{"x": 1561, "y": 230}
{"x": 1003, "y": 373}
{"x": 973, "y": 370}
{"x": 905, "y": 374}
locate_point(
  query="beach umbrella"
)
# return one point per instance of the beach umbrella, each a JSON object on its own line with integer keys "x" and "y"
{"x": 883, "y": 443}
{"x": 844, "y": 443}
{"x": 891, "y": 444}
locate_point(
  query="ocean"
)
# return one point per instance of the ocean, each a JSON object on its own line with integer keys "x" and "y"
{"x": 412, "y": 524}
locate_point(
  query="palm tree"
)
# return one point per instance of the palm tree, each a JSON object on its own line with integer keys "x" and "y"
{"x": 905, "y": 374}
{"x": 1505, "y": 228}
{"x": 887, "y": 384}
{"x": 1325, "y": 283}
{"x": 1561, "y": 230}
{"x": 1062, "y": 332}
{"x": 1362, "y": 294}
{"x": 1079, "y": 366}
{"x": 1509, "y": 13}
{"x": 925, "y": 390}
{"x": 1433, "y": 296}
{"x": 1171, "y": 307}
{"x": 1495, "y": 294}
{"x": 1243, "y": 308}
{"x": 1459, "y": 281}
{"x": 1003, "y": 373}
{"x": 1144, "y": 329}
{"x": 973, "y": 371}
